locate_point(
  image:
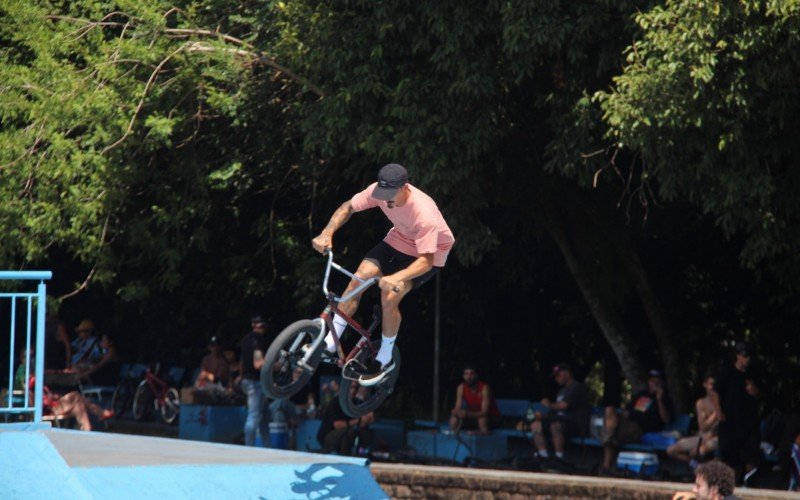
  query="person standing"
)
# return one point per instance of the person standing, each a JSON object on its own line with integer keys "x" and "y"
{"x": 739, "y": 433}
{"x": 254, "y": 345}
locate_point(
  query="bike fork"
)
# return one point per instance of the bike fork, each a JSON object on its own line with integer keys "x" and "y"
{"x": 303, "y": 362}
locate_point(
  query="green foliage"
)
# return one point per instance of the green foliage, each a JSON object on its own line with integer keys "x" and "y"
{"x": 709, "y": 98}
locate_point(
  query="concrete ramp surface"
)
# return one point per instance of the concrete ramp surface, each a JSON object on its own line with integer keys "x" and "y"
{"x": 71, "y": 464}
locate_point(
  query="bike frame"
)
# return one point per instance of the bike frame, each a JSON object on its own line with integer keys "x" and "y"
{"x": 157, "y": 386}
{"x": 325, "y": 318}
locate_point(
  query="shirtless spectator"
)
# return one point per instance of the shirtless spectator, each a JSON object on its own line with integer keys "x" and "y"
{"x": 692, "y": 448}
{"x": 214, "y": 371}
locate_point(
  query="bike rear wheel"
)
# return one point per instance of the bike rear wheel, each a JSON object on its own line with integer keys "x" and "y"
{"x": 172, "y": 405}
{"x": 357, "y": 400}
{"x": 142, "y": 401}
{"x": 121, "y": 401}
{"x": 281, "y": 376}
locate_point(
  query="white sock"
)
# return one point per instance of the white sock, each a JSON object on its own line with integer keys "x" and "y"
{"x": 385, "y": 352}
{"x": 543, "y": 453}
{"x": 560, "y": 454}
{"x": 339, "y": 324}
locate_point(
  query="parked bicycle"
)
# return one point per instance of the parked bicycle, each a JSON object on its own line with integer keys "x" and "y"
{"x": 155, "y": 394}
{"x": 122, "y": 399}
{"x": 296, "y": 352}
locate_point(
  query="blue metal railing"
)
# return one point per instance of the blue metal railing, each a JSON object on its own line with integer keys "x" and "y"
{"x": 39, "y": 297}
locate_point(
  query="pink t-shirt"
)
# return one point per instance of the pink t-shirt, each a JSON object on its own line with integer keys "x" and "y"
{"x": 419, "y": 227}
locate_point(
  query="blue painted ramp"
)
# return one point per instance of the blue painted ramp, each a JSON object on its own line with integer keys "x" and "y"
{"x": 231, "y": 481}
{"x": 66, "y": 464}
{"x": 30, "y": 467}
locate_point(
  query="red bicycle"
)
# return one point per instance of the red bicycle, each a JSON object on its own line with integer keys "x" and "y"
{"x": 296, "y": 352}
{"x": 155, "y": 394}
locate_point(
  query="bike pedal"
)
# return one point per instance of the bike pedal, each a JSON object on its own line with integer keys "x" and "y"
{"x": 353, "y": 370}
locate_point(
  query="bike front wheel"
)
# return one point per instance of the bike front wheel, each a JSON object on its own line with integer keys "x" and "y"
{"x": 357, "y": 400}
{"x": 172, "y": 405}
{"x": 142, "y": 401}
{"x": 281, "y": 374}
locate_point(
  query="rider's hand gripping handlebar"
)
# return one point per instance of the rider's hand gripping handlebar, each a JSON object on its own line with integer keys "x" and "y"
{"x": 331, "y": 264}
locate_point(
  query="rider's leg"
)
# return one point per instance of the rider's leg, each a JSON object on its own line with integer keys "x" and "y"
{"x": 390, "y": 302}
{"x": 365, "y": 271}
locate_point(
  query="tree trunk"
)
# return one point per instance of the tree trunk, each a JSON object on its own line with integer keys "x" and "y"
{"x": 665, "y": 336}
{"x": 604, "y": 313}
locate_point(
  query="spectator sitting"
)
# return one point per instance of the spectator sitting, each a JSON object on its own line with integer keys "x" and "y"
{"x": 691, "y": 448}
{"x": 73, "y": 404}
{"x": 648, "y": 411}
{"x": 214, "y": 373}
{"x": 85, "y": 348}
{"x": 475, "y": 407}
{"x": 234, "y": 368}
{"x": 340, "y": 434}
{"x": 568, "y": 415}
{"x": 25, "y": 363}
{"x": 105, "y": 371}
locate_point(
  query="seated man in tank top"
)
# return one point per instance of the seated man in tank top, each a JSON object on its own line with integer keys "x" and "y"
{"x": 475, "y": 408}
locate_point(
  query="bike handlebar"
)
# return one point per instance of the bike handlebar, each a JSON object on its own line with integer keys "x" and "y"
{"x": 331, "y": 264}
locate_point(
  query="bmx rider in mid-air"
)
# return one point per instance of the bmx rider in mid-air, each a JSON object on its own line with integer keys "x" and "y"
{"x": 411, "y": 253}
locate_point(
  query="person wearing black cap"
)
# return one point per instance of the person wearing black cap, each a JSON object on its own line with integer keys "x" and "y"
{"x": 648, "y": 411}
{"x": 415, "y": 248}
{"x": 739, "y": 433}
{"x": 254, "y": 345}
{"x": 568, "y": 415}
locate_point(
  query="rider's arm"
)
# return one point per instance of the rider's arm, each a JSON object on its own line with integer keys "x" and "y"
{"x": 339, "y": 217}
{"x": 258, "y": 359}
{"x": 422, "y": 265}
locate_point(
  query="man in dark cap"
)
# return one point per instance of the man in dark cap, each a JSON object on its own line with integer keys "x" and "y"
{"x": 254, "y": 345}
{"x": 568, "y": 415}
{"x": 737, "y": 389}
{"x": 648, "y": 411}
{"x": 410, "y": 254}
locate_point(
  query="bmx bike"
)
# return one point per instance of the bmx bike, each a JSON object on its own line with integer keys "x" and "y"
{"x": 297, "y": 351}
{"x": 156, "y": 394}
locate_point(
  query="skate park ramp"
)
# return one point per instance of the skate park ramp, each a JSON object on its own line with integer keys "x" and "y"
{"x": 53, "y": 463}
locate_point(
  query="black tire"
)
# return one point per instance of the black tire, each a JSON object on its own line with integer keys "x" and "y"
{"x": 172, "y": 405}
{"x": 123, "y": 395}
{"x": 281, "y": 377}
{"x": 357, "y": 400}
{"x": 142, "y": 401}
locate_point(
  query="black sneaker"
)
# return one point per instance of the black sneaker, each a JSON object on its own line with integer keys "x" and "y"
{"x": 375, "y": 373}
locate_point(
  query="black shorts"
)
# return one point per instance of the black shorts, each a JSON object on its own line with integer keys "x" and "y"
{"x": 389, "y": 261}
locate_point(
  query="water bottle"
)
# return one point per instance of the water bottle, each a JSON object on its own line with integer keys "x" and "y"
{"x": 530, "y": 416}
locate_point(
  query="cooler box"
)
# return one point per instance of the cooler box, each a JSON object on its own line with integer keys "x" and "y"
{"x": 645, "y": 464}
{"x": 218, "y": 424}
